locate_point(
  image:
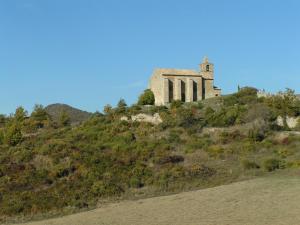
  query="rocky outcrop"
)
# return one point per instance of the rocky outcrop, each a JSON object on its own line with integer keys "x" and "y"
{"x": 291, "y": 122}
{"x": 153, "y": 119}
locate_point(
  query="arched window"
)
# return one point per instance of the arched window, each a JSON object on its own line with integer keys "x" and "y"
{"x": 207, "y": 68}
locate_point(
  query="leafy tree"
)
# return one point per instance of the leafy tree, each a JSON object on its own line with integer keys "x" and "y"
{"x": 147, "y": 98}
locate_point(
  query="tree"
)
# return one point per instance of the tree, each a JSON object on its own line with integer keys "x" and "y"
{"x": 108, "y": 109}
{"x": 285, "y": 103}
{"x": 39, "y": 115}
{"x": 3, "y": 120}
{"x": 64, "y": 119}
{"x": 20, "y": 115}
{"x": 13, "y": 135}
{"x": 122, "y": 103}
{"x": 121, "y": 106}
{"x": 147, "y": 98}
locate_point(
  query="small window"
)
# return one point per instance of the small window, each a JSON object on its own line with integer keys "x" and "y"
{"x": 207, "y": 68}
{"x": 217, "y": 95}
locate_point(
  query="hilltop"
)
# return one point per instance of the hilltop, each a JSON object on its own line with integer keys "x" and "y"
{"x": 50, "y": 168}
{"x": 76, "y": 115}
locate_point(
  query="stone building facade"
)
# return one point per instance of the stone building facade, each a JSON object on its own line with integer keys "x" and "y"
{"x": 185, "y": 85}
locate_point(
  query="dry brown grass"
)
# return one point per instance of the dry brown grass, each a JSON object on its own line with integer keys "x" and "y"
{"x": 265, "y": 201}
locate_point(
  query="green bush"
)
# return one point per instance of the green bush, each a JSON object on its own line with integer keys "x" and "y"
{"x": 271, "y": 164}
{"x": 13, "y": 135}
{"x": 147, "y": 98}
{"x": 176, "y": 104}
{"x": 135, "y": 182}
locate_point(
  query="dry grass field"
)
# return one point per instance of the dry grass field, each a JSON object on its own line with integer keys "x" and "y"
{"x": 263, "y": 201}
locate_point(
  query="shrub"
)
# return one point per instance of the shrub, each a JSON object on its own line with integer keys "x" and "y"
{"x": 284, "y": 103}
{"x": 13, "y": 135}
{"x": 176, "y": 104}
{"x": 185, "y": 117}
{"x": 64, "y": 119}
{"x": 135, "y": 182}
{"x": 227, "y": 137}
{"x": 147, "y": 98}
{"x": 257, "y": 111}
{"x": 215, "y": 151}
{"x": 171, "y": 159}
{"x": 271, "y": 164}
{"x": 226, "y": 116}
{"x": 244, "y": 96}
{"x": 201, "y": 171}
{"x": 256, "y": 135}
{"x": 248, "y": 165}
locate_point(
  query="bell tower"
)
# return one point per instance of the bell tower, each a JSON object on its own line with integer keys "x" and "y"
{"x": 207, "y": 69}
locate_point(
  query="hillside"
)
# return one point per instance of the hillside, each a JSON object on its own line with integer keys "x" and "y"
{"x": 264, "y": 201}
{"x": 54, "y": 169}
{"x": 76, "y": 115}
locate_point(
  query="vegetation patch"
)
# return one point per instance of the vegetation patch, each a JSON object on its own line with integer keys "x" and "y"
{"x": 48, "y": 163}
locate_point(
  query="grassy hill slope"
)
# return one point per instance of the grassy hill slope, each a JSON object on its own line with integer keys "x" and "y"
{"x": 49, "y": 169}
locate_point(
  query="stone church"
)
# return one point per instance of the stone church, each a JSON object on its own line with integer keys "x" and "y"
{"x": 185, "y": 85}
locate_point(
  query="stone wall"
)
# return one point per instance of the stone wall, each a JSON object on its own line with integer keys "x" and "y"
{"x": 156, "y": 85}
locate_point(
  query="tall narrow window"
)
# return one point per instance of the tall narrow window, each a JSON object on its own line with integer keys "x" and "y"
{"x": 203, "y": 89}
{"x": 171, "y": 91}
{"x": 207, "y": 68}
{"x": 183, "y": 95}
{"x": 195, "y": 91}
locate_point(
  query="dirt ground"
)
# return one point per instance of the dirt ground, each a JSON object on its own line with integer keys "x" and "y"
{"x": 265, "y": 201}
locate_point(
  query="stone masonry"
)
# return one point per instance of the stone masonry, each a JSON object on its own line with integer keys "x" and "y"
{"x": 185, "y": 85}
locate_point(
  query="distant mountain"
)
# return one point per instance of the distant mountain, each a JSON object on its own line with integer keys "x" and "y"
{"x": 76, "y": 115}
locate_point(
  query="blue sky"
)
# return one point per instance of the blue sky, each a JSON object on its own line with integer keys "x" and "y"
{"x": 88, "y": 53}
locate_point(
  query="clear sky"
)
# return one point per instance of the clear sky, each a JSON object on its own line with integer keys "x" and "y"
{"x": 88, "y": 53}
